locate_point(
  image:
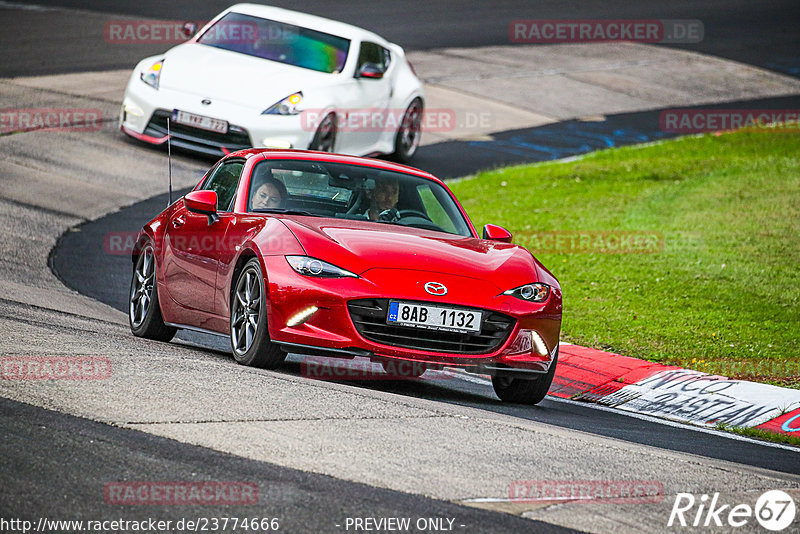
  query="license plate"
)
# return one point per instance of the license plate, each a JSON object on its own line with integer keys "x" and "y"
{"x": 199, "y": 121}
{"x": 433, "y": 317}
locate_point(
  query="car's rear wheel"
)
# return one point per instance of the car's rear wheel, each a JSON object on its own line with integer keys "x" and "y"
{"x": 144, "y": 312}
{"x": 248, "y": 331}
{"x": 407, "y": 139}
{"x": 325, "y": 137}
{"x": 524, "y": 390}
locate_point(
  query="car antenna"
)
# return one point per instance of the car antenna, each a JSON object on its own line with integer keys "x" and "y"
{"x": 169, "y": 163}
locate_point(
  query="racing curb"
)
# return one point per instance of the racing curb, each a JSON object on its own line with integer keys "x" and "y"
{"x": 674, "y": 393}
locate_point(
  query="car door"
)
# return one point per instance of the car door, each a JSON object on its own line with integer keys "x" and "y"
{"x": 192, "y": 246}
{"x": 365, "y": 113}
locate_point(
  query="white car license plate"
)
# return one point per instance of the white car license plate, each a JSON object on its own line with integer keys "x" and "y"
{"x": 199, "y": 121}
{"x": 433, "y": 317}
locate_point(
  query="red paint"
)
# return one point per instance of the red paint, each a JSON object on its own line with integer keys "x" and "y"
{"x": 788, "y": 423}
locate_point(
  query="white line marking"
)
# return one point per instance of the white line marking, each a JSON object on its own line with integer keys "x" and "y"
{"x": 530, "y": 501}
{"x": 477, "y": 379}
{"x": 25, "y": 7}
{"x": 676, "y": 424}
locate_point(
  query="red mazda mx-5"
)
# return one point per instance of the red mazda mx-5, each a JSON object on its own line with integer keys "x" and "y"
{"x": 314, "y": 253}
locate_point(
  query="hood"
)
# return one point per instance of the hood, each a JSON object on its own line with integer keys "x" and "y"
{"x": 360, "y": 246}
{"x": 210, "y": 72}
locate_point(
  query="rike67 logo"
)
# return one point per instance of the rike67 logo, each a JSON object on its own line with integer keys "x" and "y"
{"x": 774, "y": 510}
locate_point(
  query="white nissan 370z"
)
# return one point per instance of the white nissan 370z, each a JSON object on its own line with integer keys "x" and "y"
{"x": 259, "y": 76}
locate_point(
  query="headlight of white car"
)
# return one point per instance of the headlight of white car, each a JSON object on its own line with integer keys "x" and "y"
{"x": 153, "y": 74}
{"x": 287, "y": 106}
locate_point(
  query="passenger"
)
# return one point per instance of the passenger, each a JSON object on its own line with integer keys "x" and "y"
{"x": 269, "y": 194}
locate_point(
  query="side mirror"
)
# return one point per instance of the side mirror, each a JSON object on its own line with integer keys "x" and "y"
{"x": 370, "y": 70}
{"x": 496, "y": 233}
{"x": 189, "y": 29}
{"x": 202, "y": 202}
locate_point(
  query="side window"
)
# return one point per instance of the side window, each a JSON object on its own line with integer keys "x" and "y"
{"x": 224, "y": 180}
{"x": 435, "y": 210}
{"x": 372, "y": 53}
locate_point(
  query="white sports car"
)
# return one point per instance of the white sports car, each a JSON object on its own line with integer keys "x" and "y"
{"x": 259, "y": 76}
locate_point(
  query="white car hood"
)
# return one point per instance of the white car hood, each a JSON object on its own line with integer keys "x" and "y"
{"x": 208, "y": 72}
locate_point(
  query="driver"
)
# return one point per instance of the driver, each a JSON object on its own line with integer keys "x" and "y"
{"x": 383, "y": 200}
{"x": 271, "y": 193}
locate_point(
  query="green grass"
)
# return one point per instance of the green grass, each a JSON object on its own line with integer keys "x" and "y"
{"x": 765, "y": 435}
{"x": 723, "y": 295}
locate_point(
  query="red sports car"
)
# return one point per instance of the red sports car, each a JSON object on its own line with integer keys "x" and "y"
{"x": 321, "y": 254}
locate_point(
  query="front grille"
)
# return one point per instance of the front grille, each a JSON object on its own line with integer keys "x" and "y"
{"x": 198, "y": 139}
{"x": 369, "y": 317}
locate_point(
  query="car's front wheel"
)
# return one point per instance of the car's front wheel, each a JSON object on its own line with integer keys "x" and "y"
{"x": 144, "y": 312}
{"x": 325, "y": 137}
{"x": 407, "y": 139}
{"x": 249, "y": 338}
{"x": 524, "y": 390}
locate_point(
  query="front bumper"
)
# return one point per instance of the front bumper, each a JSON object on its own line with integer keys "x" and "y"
{"x": 145, "y": 109}
{"x": 334, "y": 329}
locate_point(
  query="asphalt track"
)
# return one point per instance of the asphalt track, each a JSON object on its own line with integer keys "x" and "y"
{"x": 759, "y": 33}
{"x": 46, "y": 486}
{"x": 35, "y": 483}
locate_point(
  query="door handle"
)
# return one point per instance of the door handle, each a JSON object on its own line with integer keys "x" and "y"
{"x": 178, "y": 221}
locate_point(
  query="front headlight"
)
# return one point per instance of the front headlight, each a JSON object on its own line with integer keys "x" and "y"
{"x": 153, "y": 74}
{"x": 537, "y": 292}
{"x": 287, "y": 106}
{"x": 309, "y": 266}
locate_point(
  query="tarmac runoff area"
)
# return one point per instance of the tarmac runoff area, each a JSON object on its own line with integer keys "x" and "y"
{"x": 50, "y": 181}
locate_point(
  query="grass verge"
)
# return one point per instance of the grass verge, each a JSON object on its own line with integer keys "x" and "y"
{"x": 720, "y": 289}
{"x": 758, "y": 433}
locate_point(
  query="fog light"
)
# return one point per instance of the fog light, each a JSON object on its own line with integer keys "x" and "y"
{"x": 270, "y": 142}
{"x": 538, "y": 343}
{"x": 301, "y": 317}
{"x": 130, "y": 109}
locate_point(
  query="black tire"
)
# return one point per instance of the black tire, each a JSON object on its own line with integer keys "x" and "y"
{"x": 144, "y": 311}
{"x": 407, "y": 138}
{"x": 325, "y": 137}
{"x": 524, "y": 390}
{"x": 250, "y": 341}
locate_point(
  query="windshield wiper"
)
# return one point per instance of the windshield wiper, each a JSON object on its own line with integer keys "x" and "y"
{"x": 285, "y": 211}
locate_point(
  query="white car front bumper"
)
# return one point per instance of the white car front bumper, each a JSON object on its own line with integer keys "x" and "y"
{"x": 145, "y": 109}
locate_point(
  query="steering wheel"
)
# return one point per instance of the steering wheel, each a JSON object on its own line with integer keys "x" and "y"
{"x": 413, "y": 213}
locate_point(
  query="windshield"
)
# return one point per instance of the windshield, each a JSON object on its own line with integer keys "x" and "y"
{"x": 353, "y": 192}
{"x": 277, "y": 41}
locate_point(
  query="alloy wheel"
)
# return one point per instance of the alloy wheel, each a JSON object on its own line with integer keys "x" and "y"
{"x": 246, "y": 311}
{"x": 142, "y": 288}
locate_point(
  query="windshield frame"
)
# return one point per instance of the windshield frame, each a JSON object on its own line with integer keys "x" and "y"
{"x": 410, "y": 197}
